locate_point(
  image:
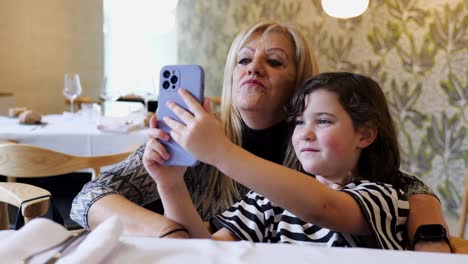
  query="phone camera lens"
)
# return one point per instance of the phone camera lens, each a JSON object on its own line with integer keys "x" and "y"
{"x": 174, "y": 79}
{"x": 166, "y": 74}
{"x": 166, "y": 84}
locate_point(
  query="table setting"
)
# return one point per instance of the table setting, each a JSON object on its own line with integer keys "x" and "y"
{"x": 81, "y": 133}
{"x": 46, "y": 241}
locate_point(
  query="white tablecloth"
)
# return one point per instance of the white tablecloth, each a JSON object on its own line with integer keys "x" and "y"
{"x": 75, "y": 135}
{"x": 168, "y": 251}
{"x": 150, "y": 250}
{"x": 105, "y": 244}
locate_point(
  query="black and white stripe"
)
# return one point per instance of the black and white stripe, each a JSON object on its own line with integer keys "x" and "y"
{"x": 386, "y": 211}
{"x": 256, "y": 219}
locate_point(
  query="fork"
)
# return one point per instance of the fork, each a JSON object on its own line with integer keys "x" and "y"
{"x": 59, "y": 254}
{"x": 64, "y": 244}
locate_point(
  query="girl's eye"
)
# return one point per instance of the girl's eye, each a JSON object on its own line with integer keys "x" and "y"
{"x": 244, "y": 61}
{"x": 298, "y": 122}
{"x": 275, "y": 63}
{"x": 323, "y": 121}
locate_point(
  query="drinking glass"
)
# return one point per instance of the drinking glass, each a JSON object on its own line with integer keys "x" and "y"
{"x": 71, "y": 88}
{"x": 106, "y": 94}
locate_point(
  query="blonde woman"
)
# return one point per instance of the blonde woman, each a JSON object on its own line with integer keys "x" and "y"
{"x": 253, "y": 118}
{"x": 257, "y": 124}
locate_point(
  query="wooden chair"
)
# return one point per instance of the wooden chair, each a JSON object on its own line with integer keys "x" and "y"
{"x": 32, "y": 200}
{"x": 8, "y": 141}
{"x": 26, "y": 161}
{"x": 464, "y": 207}
{"x": 215, "y": 102}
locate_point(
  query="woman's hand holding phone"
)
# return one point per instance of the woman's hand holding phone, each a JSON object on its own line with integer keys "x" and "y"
{"x": 172, "y": 77}
{"x": 155, "y": 156}
{"x": 202, "y": 135}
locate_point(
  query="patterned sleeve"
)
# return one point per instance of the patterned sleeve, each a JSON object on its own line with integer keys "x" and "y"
{"x": 129, "y": 178}
{"x": 412, "y": 185}
{"x": 386, "y": 210}
{"x": 246, "y": 218}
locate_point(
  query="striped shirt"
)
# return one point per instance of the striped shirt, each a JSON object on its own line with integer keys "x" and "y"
{"x": 386, "y": 209}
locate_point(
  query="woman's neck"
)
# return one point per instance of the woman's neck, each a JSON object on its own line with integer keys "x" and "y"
{"x": 270, "y": 143}
{"x": 257, "y": 121}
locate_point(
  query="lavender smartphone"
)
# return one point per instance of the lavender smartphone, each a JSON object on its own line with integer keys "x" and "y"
{"x": 172, "y": 77}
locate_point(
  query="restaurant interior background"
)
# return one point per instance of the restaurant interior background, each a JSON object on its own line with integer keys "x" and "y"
{"x": 416, "y": 50}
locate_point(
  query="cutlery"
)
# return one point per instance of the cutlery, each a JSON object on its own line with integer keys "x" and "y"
{"x": 64, "y": 244}
{"x": 59, "y": 254}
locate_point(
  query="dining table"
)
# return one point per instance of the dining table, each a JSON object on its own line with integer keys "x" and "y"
{"x": 108, "y": 244}
{"x": 77, "y": 134}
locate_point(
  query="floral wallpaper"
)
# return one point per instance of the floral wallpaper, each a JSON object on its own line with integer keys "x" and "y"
{"x": 416, "y": 50}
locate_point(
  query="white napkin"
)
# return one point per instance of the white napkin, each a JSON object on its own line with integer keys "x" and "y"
{"x": 41, "y": 233}
{"x": 120, "y": 125}
{"x": 38, "y": 234}
{"x": 97, "y": 244}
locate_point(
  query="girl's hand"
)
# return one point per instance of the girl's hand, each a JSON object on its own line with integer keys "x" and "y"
{"x": 202, "y": 135}
{"x": 156, "y": 154}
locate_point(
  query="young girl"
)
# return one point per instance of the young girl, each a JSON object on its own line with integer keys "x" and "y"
{"x": 346, "y": 143}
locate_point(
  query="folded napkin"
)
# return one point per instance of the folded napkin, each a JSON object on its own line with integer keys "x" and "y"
{"x": 120, "y": 125}
{"x": 97, "y": 244}
{"x": 41, "y": 233}
{"x": 35, "y": 236}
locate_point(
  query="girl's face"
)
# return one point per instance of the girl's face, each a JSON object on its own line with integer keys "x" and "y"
{"x": 324, "y": 139}
{"x": 265, "y": 74}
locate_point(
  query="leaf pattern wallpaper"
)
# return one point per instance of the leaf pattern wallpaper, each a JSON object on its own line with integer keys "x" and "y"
{"x": 416, "y": 50}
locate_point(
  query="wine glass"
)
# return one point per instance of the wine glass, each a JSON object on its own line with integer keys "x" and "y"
{"x": 108, "y": 95}
{"x": 71, "y": 88}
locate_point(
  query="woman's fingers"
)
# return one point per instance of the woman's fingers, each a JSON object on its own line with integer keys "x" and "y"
{"x": 153, "y": 122}
{"x": 193, "y": 105}
{"x": 174, "y": 125}
{"x": 196, "y": 109}
{"x": 184, "y": 115}
{"x": 156, "y": 151}
{"x": 154, "y": 131}
{"x": 158, "y": 134}
{"x": 207, "y": 105}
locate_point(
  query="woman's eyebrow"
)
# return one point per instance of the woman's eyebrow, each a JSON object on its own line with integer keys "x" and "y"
{"x": 267, "y": 51}
{"x": 276, "y": 50}
{"x": 246, "y": 48}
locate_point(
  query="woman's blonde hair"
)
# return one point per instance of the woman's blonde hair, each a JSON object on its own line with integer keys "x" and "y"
{"x": 306, "y": 66}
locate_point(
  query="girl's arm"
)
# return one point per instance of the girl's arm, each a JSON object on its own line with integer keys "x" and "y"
{"x": 300, "y": 194}
{"x": 203, "y": 136}
{"x": 425, "y": 209}
{"x": 224, "y": 234}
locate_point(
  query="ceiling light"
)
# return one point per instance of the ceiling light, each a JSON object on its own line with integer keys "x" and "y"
{"x": 345, "y": 8}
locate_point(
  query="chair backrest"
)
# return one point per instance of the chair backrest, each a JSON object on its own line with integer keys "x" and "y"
{"x": 34, "y": 201}
{"x": 464, "y": 207}
{"x": 215, "y": 103}
{"x": 26, "y": 161}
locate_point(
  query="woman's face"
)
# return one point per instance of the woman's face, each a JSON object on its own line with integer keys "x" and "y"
{"x": 264, "y": 75}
